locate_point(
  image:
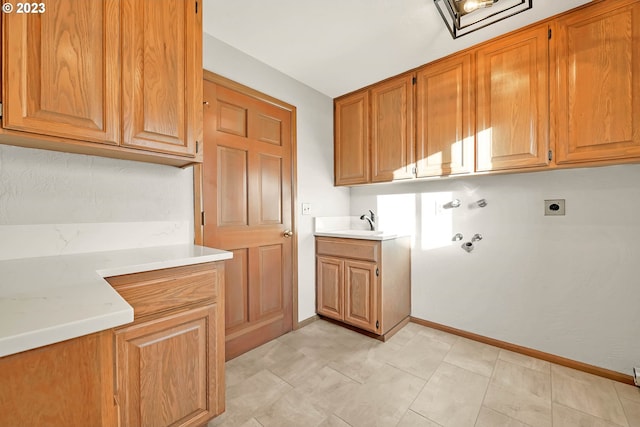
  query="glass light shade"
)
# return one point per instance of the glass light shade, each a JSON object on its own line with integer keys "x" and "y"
{"x": 465, "y": 16}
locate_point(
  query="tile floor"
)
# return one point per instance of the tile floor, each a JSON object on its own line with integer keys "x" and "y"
{"x": 325, "y": 375}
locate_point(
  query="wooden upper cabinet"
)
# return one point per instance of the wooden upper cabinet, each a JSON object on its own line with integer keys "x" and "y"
{"x": 61, "y": 71}
{"x": 392, "y": 130}
{"x": 513, "y": 101}
{"x": 597, "y": 95}
{"x": 352, "y": 139}
{"x": 445, "y": 117}
{"x": 115, "y": 78}
{"x": 162, "y": 75}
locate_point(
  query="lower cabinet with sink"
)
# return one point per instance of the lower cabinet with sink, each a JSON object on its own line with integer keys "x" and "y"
{"x": 364, "y": 283}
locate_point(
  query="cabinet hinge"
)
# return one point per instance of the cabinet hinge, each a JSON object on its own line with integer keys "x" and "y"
{"x": 377, "y": 324}
{"x": 0, "y": 110}
{"x": 196, "y": 6}
{"x": 115, "y": 400}
{"x": 414, "y": 80}
{"x": 202, "y": 217}
{"x": 550, "y": 155}
{"x": 549, "y": 33}
{"x": 377, "y": 271}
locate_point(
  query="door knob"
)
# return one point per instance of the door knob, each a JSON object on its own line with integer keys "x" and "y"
{"x": 288, "y": 233}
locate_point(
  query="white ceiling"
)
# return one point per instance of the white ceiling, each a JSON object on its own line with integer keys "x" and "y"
{"x": 337, "y": 46}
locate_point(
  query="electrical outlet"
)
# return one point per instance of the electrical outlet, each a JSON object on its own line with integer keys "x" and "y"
{"x": 306, "y": 209}
{"x": 554, "y": 207}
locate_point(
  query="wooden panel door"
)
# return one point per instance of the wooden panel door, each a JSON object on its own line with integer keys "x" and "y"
{"x": 351, "y": 143}
{"x": 61, "y": 73}
{"x": 392, "y": 131}
{"x": 330, "y": 292}
{"x": 445, "y": 99}
{"x": 162, "y": 75}
{"x": 164, "y": 370}
{"x": 361, "y": 295}
{"x": 597, "y": 101}
{"x": 247, "y": 199}
{"x": 513, "y": 101}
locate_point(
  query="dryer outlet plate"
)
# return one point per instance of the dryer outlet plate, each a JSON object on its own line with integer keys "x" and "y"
{"x": 554, "y": 207}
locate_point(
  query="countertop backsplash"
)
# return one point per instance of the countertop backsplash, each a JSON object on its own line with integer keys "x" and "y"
{"x": 38, "y": 240}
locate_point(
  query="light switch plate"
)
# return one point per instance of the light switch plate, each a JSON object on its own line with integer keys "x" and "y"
{"x": 554, "y": 207}
{"x": 306, "y": 209}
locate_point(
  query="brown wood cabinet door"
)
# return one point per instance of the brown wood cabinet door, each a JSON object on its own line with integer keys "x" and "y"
{"x": 361, "y": 295}
{"x": 247, "y": 199}
{"x": 445, "y": 117}
{"x": 513, "y": 101}
{"x": 162, "y": 75}
{"x": 597, "y": 101}
{"x": 167, "y": 370}
{"x": 392, "y": 131}
{"x": 351, "y": 143}
{"x": 330, "y": 292}
{"x": 61, "y": 74}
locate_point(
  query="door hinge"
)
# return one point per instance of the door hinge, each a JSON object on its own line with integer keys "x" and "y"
{"x": 377, "y": 271}
{"x": 550, "y": 154}
{"x": 377, "y": 324}
{"x": 414, "y": 80}
{"x": 202, "y": 217}
{"x": 196, "y": 6}
{"x": 549, "y": 33}
{"x": 197, "y": 147}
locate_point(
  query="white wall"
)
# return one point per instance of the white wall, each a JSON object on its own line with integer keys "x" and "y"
{"x": 59, "y": 203}
{"x": 314, "y": 145}
{"x": 568, "y": 285}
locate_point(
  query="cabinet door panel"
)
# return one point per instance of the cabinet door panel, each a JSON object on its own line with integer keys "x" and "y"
{"x": 236, "y": 300}
{"x": 330, "y": 287}
{"x": 352, "y": 139}
{"x": 162, "y": 75}
{"x": 513, "y": 101}
{"x": 445, "y": 115}
{"x": 598, "y": 91}
{"x": 61, "y": 71}
{"x": 167, "y": 369}
{"x": 392, "y": 132}
{"x": 361, "y": 295}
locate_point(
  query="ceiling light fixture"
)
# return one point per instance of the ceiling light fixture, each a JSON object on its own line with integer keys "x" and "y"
{"x": 465, "y": 16}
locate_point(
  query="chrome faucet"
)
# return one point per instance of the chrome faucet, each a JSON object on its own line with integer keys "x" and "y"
{"x": 371, "y": 219}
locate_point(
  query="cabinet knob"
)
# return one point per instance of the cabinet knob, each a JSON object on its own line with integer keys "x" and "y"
{"x": 288, "y": 233}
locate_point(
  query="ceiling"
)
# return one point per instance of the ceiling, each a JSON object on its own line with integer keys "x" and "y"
{"x": 337, "y": 46}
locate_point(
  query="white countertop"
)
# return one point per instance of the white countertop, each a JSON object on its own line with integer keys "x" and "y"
{"x": 51, "y": 299}
{"x": 350, "y": 227}
{"x": 358, "y": 234}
